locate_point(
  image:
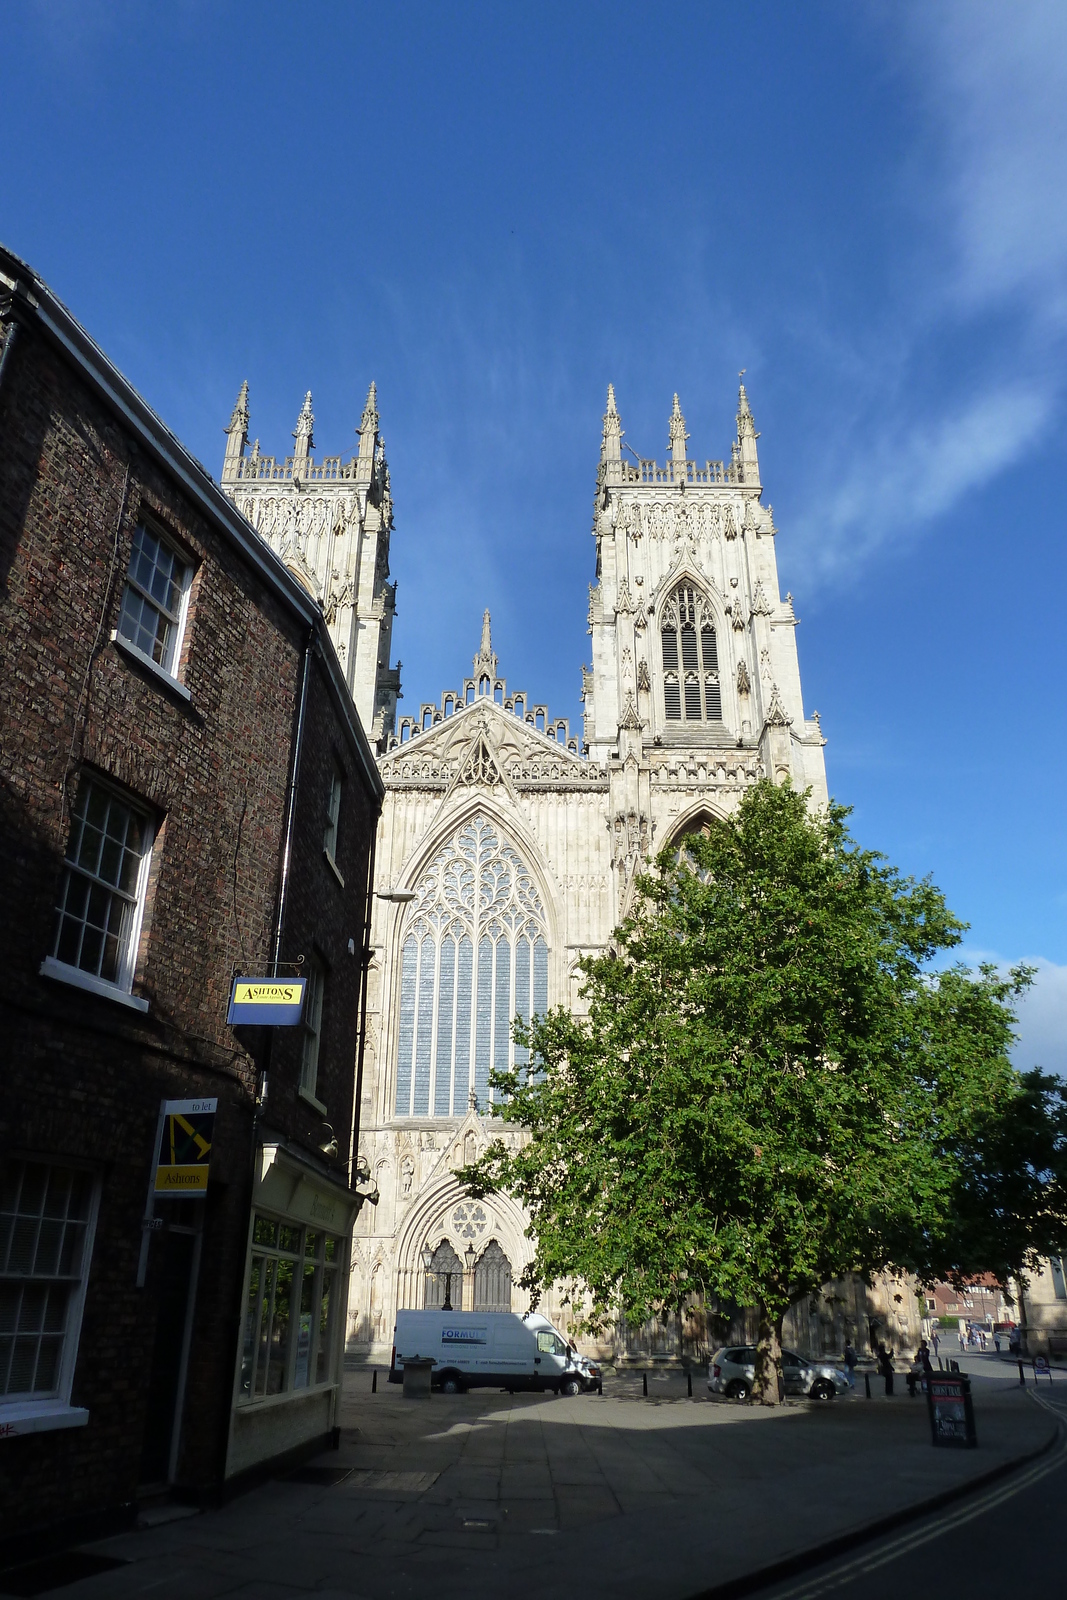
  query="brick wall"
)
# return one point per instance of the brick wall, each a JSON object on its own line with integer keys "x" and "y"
{"x": 83, "y": 1075}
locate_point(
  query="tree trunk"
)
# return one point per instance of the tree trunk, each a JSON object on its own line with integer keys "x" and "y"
{"x": 767, "y": 1388}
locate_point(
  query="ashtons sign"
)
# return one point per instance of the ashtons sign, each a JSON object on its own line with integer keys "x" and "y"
{"x": 187, "y": 1128}
{"x": 275, "y": 1002}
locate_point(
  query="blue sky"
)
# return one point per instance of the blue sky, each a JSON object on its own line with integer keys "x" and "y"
{"x": 494, "y": 209}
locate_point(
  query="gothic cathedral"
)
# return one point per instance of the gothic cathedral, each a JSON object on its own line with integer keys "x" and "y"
{"x": 508, "y": 846}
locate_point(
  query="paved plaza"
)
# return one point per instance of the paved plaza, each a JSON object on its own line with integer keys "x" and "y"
{"x": 488, "y": 1495}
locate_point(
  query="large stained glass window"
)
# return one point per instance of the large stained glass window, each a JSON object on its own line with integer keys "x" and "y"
{"x": 474, "y": 957}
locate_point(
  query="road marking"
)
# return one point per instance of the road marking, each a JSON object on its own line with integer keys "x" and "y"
{"x": 1018, "y": 1482}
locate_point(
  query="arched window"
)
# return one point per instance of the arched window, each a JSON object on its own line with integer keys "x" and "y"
{"x": 690, "y": 658}
{"x": 475, "y": 956}
{"x": 492, "y": 1280}
{"x": 444, "y": 1280}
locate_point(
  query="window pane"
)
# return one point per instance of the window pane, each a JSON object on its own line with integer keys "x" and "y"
{"x": 326, "y": 1311}
{"x": 251, "y": 1331}
{"x": 289, "y": 1238}
{"x": 305, "y": 1327}
{"x": 265, "y": 1231}
{"x": 464, "y": 987}
{"x": 269, "y": 1267}
{"x": 689, "y": 650}
{"x": 672, "y": 701}
{"x": 424, "y": 1034}
{"x": 278, "y": 1345}
{"x": 442, "y": 1090}
{"x": 406, "y": 1027}
{"x": 692, "y": 700}
{"x": 708, "y": 650}
{"x": 670, "y": 649}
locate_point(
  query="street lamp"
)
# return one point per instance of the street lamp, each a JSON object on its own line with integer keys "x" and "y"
{"x": 469, "y": 1256}
{"x": 399, "y": 897}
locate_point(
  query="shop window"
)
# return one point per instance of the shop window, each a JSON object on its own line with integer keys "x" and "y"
{"x": 291, "y": 1310}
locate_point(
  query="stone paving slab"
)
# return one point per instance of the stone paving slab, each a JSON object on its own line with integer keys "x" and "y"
{"x": 461, "y": 1498}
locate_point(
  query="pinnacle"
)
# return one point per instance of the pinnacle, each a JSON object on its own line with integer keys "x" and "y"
{"x": 612, "y": 408}
{"x": 239, "y": 415}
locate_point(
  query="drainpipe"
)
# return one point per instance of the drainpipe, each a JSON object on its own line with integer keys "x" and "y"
{"x": 365, "y": 956}
{"x": 9, "y": 342}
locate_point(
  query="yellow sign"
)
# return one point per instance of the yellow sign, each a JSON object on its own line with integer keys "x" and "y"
{"x": 184, "y": 1153}
{"x": 269, "y": 1002}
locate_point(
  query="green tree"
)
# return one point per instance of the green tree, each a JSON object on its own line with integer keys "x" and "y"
{"x": 769, "y": 1090}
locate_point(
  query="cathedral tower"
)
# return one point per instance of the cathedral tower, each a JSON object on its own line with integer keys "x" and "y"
{"x": 508, "y": 846}
{"x": 330, "y": 522}
{"x": 694, "y": 683}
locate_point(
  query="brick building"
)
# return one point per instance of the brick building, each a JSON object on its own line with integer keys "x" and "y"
{"x": 186, "y": 793}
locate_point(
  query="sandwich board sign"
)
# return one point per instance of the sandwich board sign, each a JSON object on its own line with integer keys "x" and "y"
{"x": 183, "y": 1155}
{"x": 273, "y": 1002}
{"x": 948, "y": 1398}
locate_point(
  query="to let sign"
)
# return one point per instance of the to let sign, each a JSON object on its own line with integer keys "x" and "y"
{"x": 186, "y": 1130}
{"x": 274, "y": 1002}
{"x": 948, "y": 1397}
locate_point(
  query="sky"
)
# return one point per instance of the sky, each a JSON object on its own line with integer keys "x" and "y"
{"x": 494, "y": 210}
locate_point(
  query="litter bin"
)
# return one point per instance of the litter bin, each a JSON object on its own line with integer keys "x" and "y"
{"x": 417, "y": 1371}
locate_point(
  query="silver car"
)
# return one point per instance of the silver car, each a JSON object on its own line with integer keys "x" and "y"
{"x": 732, "y": 1372}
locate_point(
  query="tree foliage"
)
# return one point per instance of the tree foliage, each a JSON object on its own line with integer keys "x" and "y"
{"x": 770, "y": 1089}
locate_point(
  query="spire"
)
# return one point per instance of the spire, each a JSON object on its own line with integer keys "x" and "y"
{"x": 485, "y": 660}
{"x": 236, "y": 434}
{"x": 611, "y": 438}
{"x": 744, "y": 453}
{"x": 368, "y": 436}
{"x": 678, "y": 435}
{"x": 303, "y": 433}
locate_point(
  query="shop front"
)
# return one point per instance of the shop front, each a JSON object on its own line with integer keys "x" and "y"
{"x": 288, "y": 1382}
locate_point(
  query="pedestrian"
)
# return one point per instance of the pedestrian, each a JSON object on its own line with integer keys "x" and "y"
{"x": 937, "y": 1345}
{"x": 885, "y": 1367}
{"x": 996, "y": 1341}
{"x": 850, "y": 1363}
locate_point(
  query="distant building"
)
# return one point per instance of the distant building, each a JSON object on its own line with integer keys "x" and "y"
{"x": 186, "y": 794}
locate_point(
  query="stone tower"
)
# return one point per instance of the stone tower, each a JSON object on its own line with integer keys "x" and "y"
{"x": 330, "y": 522}
{"x": 694, "y": 680}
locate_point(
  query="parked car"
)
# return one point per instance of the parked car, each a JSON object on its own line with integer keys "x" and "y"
{"x": 732, "y": 1372}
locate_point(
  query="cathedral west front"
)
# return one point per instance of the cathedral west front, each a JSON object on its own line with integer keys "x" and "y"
{"x": 508, "y": 842}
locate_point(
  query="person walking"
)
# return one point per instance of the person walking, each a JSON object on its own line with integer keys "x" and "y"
{"x": 996, "y": 1341}
{"x": 885, "y": 1367}
{"x": 937, "y": 1345}
{"x": 851, "y": 1359}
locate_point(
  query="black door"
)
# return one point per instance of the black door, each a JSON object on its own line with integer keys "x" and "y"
{"x": 172, "y": 1274}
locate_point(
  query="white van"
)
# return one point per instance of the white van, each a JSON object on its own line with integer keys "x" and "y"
{"x": 489, "y": 1349}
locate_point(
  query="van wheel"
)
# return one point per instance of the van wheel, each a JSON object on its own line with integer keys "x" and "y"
{"x": 570, "y": 1387}
{"x": 450, "y": 1384}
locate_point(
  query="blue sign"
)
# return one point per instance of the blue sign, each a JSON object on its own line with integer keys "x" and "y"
{"x": 273, "y": 1002}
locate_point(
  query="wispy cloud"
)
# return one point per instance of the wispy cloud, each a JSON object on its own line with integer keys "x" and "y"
{"x": 985, "y": 185}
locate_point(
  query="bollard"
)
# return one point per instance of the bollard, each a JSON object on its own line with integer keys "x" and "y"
{"x": 1022, "y": 1375}
{"x": 867, "y": 1383}
{"x": 374, "y": 1382}
{"x": 600, "y": 1386}
{"x": 644, "y": 1384}
{"x": 689, "y": 1384}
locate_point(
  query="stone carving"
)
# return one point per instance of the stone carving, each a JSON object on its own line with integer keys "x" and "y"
{"x": 470, "y": 1221}
{"x": 407, "y": 1176}
{"x": 643, "y": 679}
{"x": 743, "y": 685}
{"x": 777, "y": 716}
{"x": 624, "y": 605}
{"x": 761, "y": 606}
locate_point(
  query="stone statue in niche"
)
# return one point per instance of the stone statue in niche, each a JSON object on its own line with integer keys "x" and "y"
{"x": 407, "y": 1175}
{"x": 470, "y": 1147}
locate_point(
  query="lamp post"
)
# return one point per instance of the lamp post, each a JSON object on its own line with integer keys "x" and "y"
{"x": 427, "y": 1263}
{"x": 470, "y": 1255}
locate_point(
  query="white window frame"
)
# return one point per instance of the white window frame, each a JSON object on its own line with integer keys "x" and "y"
{"x": 312, "y": 1032}
{"x": 22, "y": 1413}
{"x": 338, "y": 1269}
{"x": 121, "y": 987}
{"x": 168, "y": 668}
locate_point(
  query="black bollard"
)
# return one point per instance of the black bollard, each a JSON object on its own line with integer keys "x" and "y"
{"x": 689, "y": 1384}
{"x": 867, "y": 1383}
{"x": 1022, "y": 1375}
{"x": 374, "y": 1381}
{"x": 644, "y": 1384}
{"x": 600, "y": 1386}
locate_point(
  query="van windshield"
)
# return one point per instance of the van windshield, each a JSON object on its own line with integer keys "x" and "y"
{"x": 551, "y": 1343}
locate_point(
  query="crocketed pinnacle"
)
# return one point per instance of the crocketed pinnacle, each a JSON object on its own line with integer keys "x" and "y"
{"x": 239, "y": 418}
